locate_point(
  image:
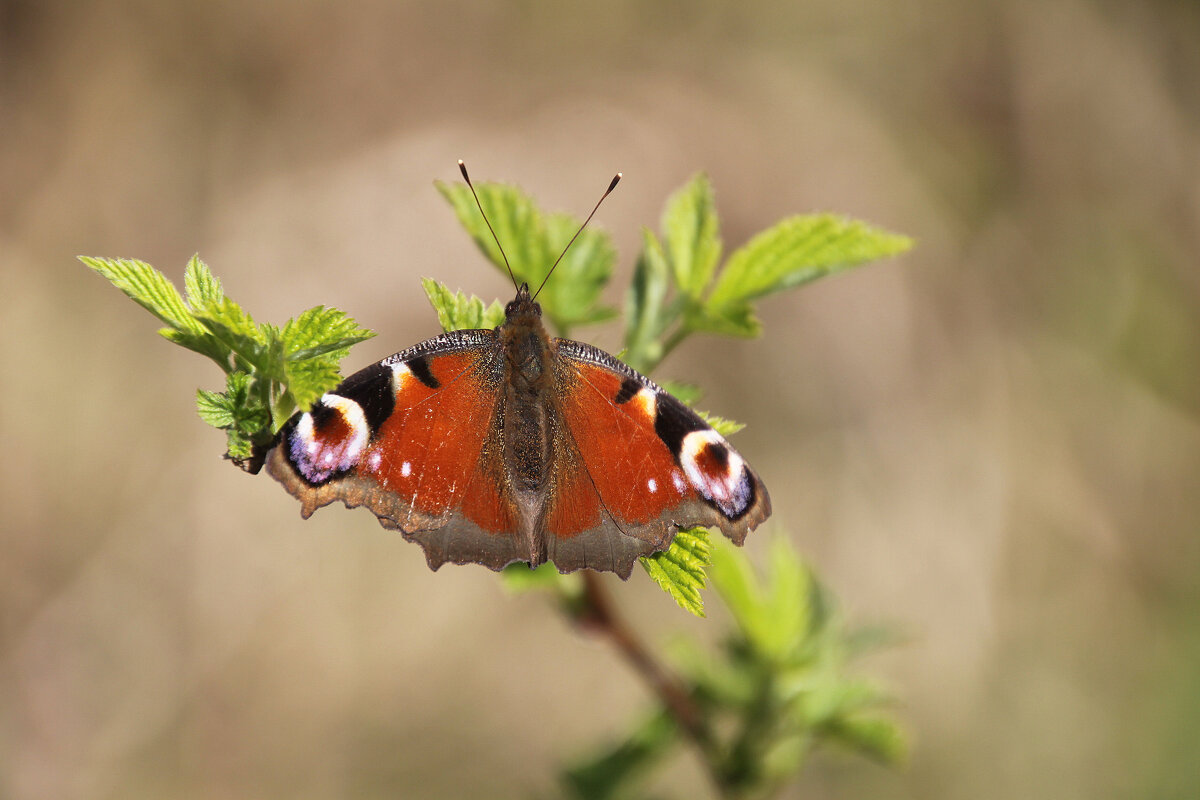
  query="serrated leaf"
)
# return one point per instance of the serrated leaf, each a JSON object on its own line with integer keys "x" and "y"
{"x": 214, "y": 408}
{"x": 798, "y": 250}
{"x": 646, "y": 312}
{"x": 238, "y": 445}
{"x": 725, "y": 427}
{"x": 204, "y": 343}
{"x": 237, "y": 387}
{"x": 238, "y": 410}
{"x": 517, "y": 223}
{"x": 306, "y": 381}
{"x": 147, "y": 287}
{"x": 692, "y": 235}
{"x": 533, "y": 240}
{"x": 320, "y": 331}
{"x": 679, "y": 570}
{"x": 202, "y": 287}
{"x": 457, "y": 311}
{"x": 234, "y": 328}
{"x": 571, "y": 297}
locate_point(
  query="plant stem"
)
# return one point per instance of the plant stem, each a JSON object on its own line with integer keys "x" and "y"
{"x": 599, "y": 615}
{"x": 673, "y": 341}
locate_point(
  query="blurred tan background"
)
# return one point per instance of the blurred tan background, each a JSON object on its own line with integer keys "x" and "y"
{"x": 992, "y": 443}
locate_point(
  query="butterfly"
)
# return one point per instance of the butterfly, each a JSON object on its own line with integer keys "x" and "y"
{"x": 498, "y": 446}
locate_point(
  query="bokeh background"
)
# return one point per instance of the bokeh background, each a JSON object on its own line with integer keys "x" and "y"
{"x": 991, "y": 444}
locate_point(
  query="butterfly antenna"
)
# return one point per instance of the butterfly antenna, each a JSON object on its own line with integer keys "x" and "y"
{"x": 616, "y": 179}
{"x": 462, "y": 167}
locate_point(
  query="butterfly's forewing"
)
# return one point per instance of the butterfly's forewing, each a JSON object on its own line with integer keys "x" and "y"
{"x": 414, "y": 438}
{"x": 654, "y": 464}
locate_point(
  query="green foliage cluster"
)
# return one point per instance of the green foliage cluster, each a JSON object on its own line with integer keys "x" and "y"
{"x": 270, "y": 371}
{"x": 681, "y": 287}
{"x": 777, "y": 689}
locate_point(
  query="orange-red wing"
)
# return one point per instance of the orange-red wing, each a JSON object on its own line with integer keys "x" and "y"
{"x": 610, "y": 417}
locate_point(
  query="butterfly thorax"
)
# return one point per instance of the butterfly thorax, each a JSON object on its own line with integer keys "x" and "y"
{"x": 527, "y": 422}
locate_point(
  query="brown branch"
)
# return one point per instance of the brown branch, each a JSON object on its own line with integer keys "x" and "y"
{"x": 600, "y": 616}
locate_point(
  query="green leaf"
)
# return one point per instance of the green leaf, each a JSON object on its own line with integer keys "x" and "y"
{"x": 692, "y": 234}
{"x": 533, "y": 240}
{"x": 214, "y": 408}
{"x": 736, "y": 582}
{"x": 306, "y": 381}
{"x": 270, "y": 371}
{"x": 788, "y": 599}
{"x": 571, "y": 297}
{"x": 457, "y": 311}
{"x": 150, "y": 289}
{"x": 519, "y": 577}
{"x": 646, "y": 312}
{"x": 202, "y": 287}
{"x": 679, "y": 570}
{"x": 796, "y": 251}
{"x": 736, "y": 319}
{"x": 876, "y": 737}
{"x": 320, "y": 331}
{"x": 204, "y": 343}
{"x": 239, "y": 411}
{"x": 567, "y": 590}
{"x": 234, "y": 328}
{"x": 829, "y": 696}
{"x": 147, "y": 287}
{"x": 517, "y": 223}
{"x": 725, "y": 427}
{"x": 775, "y": 613}
{"x": 238, "y": 446}
{"x": 607, "y": 775}
{"x": 784, "y": 756}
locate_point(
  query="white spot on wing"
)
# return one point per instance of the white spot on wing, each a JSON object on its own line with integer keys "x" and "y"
{"x": 406, "y": 469}
{"x": 652, "y": 485}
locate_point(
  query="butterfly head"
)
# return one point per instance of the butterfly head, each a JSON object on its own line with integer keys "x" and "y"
{"x": 523, "y": 308}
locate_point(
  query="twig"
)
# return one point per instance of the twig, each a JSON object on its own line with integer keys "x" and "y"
{"x": 599, "y": 615}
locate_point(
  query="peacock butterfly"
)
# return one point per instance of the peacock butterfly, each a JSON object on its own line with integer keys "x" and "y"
{"x": 496, "y": 446}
